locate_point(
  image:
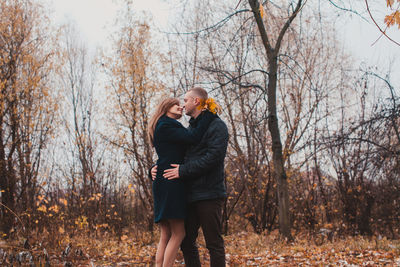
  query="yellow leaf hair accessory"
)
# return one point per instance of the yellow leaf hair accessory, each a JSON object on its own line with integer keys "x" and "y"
{"x": 261, "y": 8}
{"x": 210, "y": 105}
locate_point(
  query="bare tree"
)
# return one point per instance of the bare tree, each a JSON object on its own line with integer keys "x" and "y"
{"x": 134, "y": 71}
{"x": 27, "y": 106}
{"x": 85, "y": 161}
{"x": 272, "y": 51}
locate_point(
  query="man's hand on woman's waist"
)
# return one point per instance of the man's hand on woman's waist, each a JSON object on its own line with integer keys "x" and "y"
{"x": 172, "y": 173}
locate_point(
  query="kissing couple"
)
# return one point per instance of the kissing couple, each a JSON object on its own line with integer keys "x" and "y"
{"x": 188, "y": 179}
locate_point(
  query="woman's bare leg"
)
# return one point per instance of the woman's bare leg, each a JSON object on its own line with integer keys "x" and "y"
{"x": 165, "y": 236}
{"x": 177, "y": 228}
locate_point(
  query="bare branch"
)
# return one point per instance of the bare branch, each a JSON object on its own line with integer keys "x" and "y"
{"x": 347, "y": 10}
{"x": 379, "y": 28}
{"x": 299, "y": 6}
{"x": 214, "y": 27}
{"x": 255, "y": 8}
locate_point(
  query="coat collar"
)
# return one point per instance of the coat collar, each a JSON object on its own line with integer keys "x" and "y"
{"x": 193, "y": 122}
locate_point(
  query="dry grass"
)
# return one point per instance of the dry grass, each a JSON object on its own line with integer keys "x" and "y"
{"x": 242, "y": 249}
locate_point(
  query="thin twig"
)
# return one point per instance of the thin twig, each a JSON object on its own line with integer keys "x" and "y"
{"x": 347, "y": 10}
{"x": 14, "y": 214}
{"x": 238, "y": 4}
{"x": 220, "y": 23}
{"x": 380, "y": 29}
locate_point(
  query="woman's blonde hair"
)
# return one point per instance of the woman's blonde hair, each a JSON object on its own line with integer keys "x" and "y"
{"x": 162, "y": 109}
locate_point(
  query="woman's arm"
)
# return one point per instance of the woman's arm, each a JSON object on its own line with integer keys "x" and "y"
{"x": 175, "y": 132}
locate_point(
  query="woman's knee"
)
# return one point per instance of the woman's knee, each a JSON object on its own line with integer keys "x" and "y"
{"x": 165, "y": 231}
{"x": 177, "y": 228}
{"x": 182, "y": 235}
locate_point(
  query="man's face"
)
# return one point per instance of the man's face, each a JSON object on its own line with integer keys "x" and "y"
{"x": 190, "y": 103}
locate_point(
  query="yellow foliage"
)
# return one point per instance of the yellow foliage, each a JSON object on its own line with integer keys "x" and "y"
{"x": 81, "y": 222}
{"x": 42, "y": 208}
{"x": 389, "y": 3}
{"x": 261, "y": 8}
{"x": 394, "y": 17}
{"x": 54, "y": 208}
{"x": 99, "y": 226}
{"x": 26, "y": 102}
{"x": 63, "y": 201}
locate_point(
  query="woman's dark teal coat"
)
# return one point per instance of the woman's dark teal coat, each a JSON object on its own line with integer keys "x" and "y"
{"x": 171, "y": 139}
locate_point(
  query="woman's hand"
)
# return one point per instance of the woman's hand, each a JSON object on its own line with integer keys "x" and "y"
{"x": 154, "y": 172}
{"x": 172, "y": 173}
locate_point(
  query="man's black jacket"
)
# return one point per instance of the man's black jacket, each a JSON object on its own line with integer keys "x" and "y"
{"x": 203, "y": 168}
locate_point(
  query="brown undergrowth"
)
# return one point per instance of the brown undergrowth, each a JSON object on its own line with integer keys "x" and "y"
{"x": 242, "y": 249}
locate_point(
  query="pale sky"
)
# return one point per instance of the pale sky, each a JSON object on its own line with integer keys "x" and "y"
{"x": 94, "y": 17}
{"x": 360, "y": 38}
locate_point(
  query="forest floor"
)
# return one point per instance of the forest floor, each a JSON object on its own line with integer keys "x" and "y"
{"x": 242, "y": 249}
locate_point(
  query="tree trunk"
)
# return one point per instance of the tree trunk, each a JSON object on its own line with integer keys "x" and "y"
{"x": 7, "y": 185}
{"x": 277, "y": 156}
{"x": 278, "y": 161}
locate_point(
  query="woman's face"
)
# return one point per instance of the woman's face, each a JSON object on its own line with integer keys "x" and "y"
{"x": 175, "y": 112}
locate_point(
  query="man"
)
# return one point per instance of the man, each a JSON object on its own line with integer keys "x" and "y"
{"x": 203, "y": 172}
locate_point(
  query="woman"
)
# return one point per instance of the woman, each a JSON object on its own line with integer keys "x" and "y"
{"x": 170, "y": 140}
